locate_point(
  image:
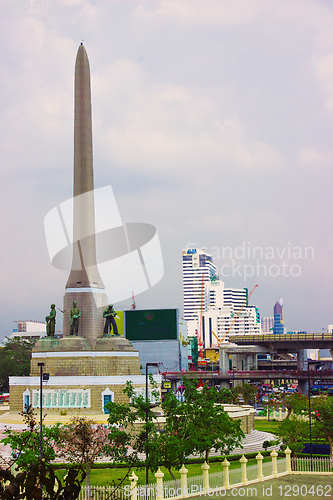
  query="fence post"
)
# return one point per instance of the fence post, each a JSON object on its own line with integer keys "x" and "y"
{"x": 134, "y": 491}
{"x": 274, "y": 463}
{"x": 159, "y": 484}
{"x": 225, "y": 465}
{"x": 205, "y": 468}
{"x": 183, "y": 480}
{"x": 243, "y": 462}
{"x": 287, "y": 452}
{"x": 280, "y": 414}
{"x": 259, "y": 458}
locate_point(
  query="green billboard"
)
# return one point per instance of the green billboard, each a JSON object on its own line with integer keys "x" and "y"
{"x": 151, "y": 324}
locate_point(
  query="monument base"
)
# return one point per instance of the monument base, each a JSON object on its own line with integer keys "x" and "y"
{"x": 80, "y": 379}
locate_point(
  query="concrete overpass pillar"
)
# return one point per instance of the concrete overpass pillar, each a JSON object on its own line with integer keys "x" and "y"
{"x": 223, "y": 360}
{"x": 174, "y": 386}
{"x": 303, "y": 387}
{"x": 302, "y": 360}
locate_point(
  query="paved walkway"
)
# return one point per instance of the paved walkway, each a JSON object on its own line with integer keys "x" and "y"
{"x": 251, "y": 443}
{"x": 13, "y": 419}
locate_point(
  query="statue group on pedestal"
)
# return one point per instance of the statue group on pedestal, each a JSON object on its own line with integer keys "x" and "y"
{"x": 74, "y": 320}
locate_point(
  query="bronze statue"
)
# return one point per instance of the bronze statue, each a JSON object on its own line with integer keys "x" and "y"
{"x": 74, "y": 315}
{"x": 51, "y": 321}
{"x": 110, "y": 323}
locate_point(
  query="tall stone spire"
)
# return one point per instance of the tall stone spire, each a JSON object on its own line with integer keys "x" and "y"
{"x": 84, "y": 284}
{"x": 84, "y": 272}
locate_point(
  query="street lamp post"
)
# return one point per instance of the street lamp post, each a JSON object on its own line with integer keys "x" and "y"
{"x": 309, "y": 396}
{"x": 41, "y": 409}
{"x": 45, "y": 377}
{"x": 147, "y": 466}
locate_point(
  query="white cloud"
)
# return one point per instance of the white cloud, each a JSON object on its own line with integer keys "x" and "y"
{"x": 313, "y": 158}
{"x": 323, "y": 69}
{"x": 171, "y": 127}
{"x": 197, "y": 12}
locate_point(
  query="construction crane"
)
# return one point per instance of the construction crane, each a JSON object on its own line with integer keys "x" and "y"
{"x": 218, "y": 341}
{"x": 246, "y": 301}
{"x": 200, "y": 343}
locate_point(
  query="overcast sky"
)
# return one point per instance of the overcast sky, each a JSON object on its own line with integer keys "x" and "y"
{"x": 212, "y": 120}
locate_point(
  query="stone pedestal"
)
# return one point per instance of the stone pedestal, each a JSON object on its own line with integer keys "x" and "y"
{"x": 92, "y": 305}
{"x": 50, "y": 344}
{"x": 72, "y": 356}
{"x": 113, "y": 344}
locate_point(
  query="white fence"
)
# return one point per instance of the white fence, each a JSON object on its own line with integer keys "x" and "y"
{"x": 218, "y": 481}
{"x": 314, "y": 465}
{"x": 103, "y": 493}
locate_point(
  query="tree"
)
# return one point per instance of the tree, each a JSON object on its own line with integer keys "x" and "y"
{"x": 248, "y": 392}
{"x": 294, "y": 432}
{"x": 41, "y": 482}
{"x": 227, "y": 396}
{"x": 196, "y": 424}
{"x": 130, "y": 424}
{"x": 26, "y": 443}
{"x": 36, "y": 478}
{"x": 199, "y": 422}
{"x": 295, "y": 403}
{"x": 14, "y": 359}
{"x": 270, "y": 404}
{"x": 323, "y": 419}
{"x": 82, "y": 442}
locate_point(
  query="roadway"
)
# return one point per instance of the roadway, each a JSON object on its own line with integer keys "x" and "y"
{"x": 290, "y": 342}
{"x": 224, "y": 379}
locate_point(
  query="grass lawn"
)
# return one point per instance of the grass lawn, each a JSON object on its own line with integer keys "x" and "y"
{"x": 102, "y": 477}
{"x": 294, "y": 486}
{"x": 266, "y": 425}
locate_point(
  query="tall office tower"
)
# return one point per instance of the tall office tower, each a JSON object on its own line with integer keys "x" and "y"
{"x": 267, "y": 325}
{"x": 278, "y": 327}
{"x": 235, "y": 297}
{"x": 198, "y": 268}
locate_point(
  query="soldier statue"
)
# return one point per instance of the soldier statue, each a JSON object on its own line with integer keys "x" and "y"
{"x": 74, "y": 315}
{"x": 110, "y": 323}
{"x": 51, "y": 321}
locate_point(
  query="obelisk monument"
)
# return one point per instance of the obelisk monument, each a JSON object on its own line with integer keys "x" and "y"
{"x": 84, "y": 285}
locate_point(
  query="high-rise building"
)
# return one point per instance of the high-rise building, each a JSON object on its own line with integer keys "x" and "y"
{"x": 212, "y": 311}
{"x": 235, "y": 297}
{"x": 198, "y": 268}
{"x": 278, "y": 327}
{"x": 267, "y": 325}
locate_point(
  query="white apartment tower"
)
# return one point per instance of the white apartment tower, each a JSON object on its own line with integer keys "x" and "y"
{"x": 212, "y": 311}
{"x": 198, "y": 269}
